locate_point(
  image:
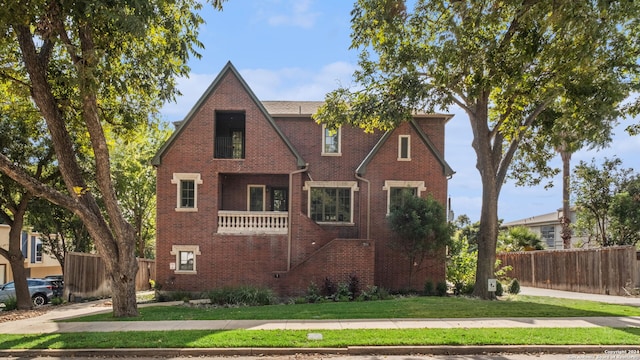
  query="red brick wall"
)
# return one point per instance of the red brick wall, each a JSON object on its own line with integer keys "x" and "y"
{"x": 338, "y": 261}
{"x": 392, "y": 268}
{"x": 314, "y": 253}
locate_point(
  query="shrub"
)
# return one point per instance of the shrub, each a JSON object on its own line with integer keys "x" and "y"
{"x": 330, "y": 288}
{"x": 441, "y": 288}
{"x": 354, "y": 286}
{"x": 499, "y": 289}
{"x": 313, "y": 294}
{"x": 57, "y": 300}
{"x": 343, "y": 294}
{"x": 244, "y": 295}
{"x": 298, "y": 300}
{"x": 11, "y": 303}
{"x": 463, "y": 288}
{"x": 514, "y": 287}
{"x": 163, "y": 296}
{"x": 373, "y": 293}
{"x": 428, "y": 288}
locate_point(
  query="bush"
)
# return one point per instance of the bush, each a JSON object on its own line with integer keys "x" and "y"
{"x": 11, "y": 303}
{"x": 441, "y": 288}
{"x": 514, "y": 287}
{"x": 244, "y": 295}
{"x": 354, "y": 286}
{"x": 463, "y": 288}
{"x": 57, "y": 300}
{"x": 330, "y": 288}
{"x": 342, "y": 293}
{"x": 428, "y": 288}
{"x": 373, "y": 293}
{"x": 313, "y": 294}
{"x": 163, "y": 296}
{"x": 499, "y": 289}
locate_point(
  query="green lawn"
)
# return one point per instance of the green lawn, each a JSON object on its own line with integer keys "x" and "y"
{"x": 333, "y": 338}
{"x": 409, "y": 307}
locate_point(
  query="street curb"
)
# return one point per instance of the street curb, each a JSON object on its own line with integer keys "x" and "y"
{"x": 622, "y": 350}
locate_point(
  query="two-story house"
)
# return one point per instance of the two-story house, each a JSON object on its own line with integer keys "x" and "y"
{"x": 36, "y": 262}
{"x": 257, "y": 193}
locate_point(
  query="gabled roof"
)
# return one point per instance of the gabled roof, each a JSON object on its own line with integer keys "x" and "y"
{"x": 362, "y": 169}
{"x": 228, "y": 68}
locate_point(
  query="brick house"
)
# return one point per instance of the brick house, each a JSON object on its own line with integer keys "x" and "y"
{"x": 257, "y": 193}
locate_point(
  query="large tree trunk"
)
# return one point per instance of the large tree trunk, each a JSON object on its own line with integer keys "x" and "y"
{"x": 115, "y": 238}
{"x": 565, "y": 220}
{"x": 487, "y": 237}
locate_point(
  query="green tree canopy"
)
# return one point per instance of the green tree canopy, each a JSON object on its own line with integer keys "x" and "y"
{"x": 625, "y": 213}
{"x": 596, "y": 188}
{"x": 504, "y": 63}
{"x": 89, "y": 67}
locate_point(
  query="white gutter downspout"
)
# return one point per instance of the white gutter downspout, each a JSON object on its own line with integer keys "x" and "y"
{"x": 368, "y": 203}
{"x": 289, "y": 237}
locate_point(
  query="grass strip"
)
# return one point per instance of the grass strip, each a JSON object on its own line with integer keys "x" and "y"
{"x": 331, "y": 338}
{"x": 409, "y": 307}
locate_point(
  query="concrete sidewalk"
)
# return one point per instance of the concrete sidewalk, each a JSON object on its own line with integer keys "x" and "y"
{"x": 47, "y": 323}
{"x": 610, "y": 299}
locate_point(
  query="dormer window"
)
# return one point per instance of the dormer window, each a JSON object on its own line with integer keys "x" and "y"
{"x": 331, "y": 141}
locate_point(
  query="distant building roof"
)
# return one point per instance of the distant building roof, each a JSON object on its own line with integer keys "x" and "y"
{"x": 284, "y": 108}
{"x": 550, "y": 218}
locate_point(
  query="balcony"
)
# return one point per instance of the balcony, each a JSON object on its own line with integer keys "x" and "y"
{"x": 253, "y": 222}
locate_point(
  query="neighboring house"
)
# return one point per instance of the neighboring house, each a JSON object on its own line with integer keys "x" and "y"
{"x": 37, "y": 263}
{"x": 256, "y": 193}
{"x": 549, "y": 228}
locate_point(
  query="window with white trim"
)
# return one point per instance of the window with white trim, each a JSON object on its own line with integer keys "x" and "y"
{"x": 331, "y": 201}
{"x": 331, "y": 141}
{"x": 186, "y": 256}
{"x": 187, "y": 190}
{"x": 404, "y": 148}
{"x": 396, "y": 188}
{"x": 255, "y": 197}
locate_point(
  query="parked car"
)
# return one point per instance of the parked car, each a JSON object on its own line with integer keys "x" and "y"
{"x": 41, "y": 291}
{"x": 58, "y": 284}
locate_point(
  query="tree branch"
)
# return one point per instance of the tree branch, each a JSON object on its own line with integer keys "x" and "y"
{"x": 513, "y": 145}
{"x": 34, "y": 186}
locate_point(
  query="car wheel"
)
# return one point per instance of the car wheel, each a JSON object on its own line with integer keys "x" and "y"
{"x": 39, "y": 300}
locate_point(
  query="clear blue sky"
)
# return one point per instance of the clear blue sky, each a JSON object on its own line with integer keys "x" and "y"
{"x": 299, "y": 50}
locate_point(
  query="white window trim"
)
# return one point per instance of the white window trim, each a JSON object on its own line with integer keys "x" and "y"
{"x": 388, "y": 184}
{"x": 264, "y": 195}
{"x": 177, "y": 249}
{"x": 339, "y": 153}
{"x": 408, "y": 137}
{"x": 177, "y": 177}
{"x": 332, "y": 184}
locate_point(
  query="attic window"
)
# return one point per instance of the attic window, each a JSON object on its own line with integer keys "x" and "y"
{"x": 229, "y": 135}
{"x": 404, "y": 148}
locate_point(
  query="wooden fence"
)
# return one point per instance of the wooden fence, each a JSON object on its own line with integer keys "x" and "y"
{"x": 596, "y": 271}
{"x": 85, "y": 276}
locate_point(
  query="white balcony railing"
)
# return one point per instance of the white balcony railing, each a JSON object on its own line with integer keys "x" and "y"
{"x": 252, "y": 222}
